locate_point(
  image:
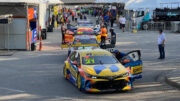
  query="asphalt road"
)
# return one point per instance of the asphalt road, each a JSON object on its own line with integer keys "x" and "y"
{"x": 37, "y": 76}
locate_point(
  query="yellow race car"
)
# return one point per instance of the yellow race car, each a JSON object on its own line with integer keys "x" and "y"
{"x": 97, "y": 70}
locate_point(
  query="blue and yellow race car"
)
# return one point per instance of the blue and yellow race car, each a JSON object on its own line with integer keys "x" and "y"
{"x": 98, "y": 70}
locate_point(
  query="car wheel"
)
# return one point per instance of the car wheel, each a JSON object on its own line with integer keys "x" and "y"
{"x": 65, "y": 72}
{"x": 79, "y": 82}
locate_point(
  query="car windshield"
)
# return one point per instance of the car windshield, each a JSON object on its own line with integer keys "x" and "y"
{"x": 85, "y": 41}
{"x": 85, "y": 24}
{"x": 87, "y": 47}
{"x": 85, "y": 33}
{"x": 97, "y": 60}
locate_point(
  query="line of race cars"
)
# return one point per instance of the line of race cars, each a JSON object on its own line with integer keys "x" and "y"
{"x": 93, "y": 69}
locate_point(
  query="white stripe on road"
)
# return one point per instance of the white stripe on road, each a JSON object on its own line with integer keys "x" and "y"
{"x": 20, "y": 91}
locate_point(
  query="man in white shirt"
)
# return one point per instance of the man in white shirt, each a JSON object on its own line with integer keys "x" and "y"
{"x": 161, "y": 44}
{"x": 123, "y": 23}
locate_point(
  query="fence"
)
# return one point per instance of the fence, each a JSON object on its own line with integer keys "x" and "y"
{"x": 154, "y": 26}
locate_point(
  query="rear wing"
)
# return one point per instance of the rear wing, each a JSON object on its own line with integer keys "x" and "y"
{"x": 79, "y": 45}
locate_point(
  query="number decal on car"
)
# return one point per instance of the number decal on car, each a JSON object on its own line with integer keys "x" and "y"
{"x": 90, "y": 61}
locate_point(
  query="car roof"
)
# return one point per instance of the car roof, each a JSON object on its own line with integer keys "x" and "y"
{"x": 98, "y": 51}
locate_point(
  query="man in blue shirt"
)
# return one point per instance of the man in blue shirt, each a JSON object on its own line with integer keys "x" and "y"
{"x": 119, "y": 55}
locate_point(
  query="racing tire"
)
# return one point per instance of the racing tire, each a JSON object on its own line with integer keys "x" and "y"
{"x": 79, "y": 82}
{"x": 65, "y": 72}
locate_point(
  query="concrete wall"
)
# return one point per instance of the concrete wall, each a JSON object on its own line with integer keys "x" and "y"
{"x": 15, "y": 38}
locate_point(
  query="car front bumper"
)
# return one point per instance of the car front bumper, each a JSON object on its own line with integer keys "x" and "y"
{"x": 104, "y": 85}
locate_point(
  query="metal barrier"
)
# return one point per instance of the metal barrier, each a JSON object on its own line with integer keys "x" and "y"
{"x": 153, "y": 26}
{"x": 159, "y": 25}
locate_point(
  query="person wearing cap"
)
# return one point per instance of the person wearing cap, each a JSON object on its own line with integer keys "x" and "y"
{"x": 113, "y": 37}
{"x": 119, "y": 55}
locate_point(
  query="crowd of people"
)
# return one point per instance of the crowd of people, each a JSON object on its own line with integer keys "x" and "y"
{"x": 103, "y": 17}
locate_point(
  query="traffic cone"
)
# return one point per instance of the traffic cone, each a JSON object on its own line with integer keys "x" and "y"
{"x": 40, "y": 44}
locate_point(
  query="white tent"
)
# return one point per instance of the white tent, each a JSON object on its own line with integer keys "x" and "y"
{"x": 110, "y": 1}
{"x": 151, "y": 4}
{"x": 43, "y": 12}
{"x": 19, "y": 1}
{"x": 32, "y": 1}
{"x": 52, "y": 1}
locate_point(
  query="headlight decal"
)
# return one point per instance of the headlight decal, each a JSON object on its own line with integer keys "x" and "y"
{"x": 114, "y": 68}
{"x": 99, "y": 69}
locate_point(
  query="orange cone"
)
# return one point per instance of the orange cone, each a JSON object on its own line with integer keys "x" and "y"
{"x": 40, "y": 44}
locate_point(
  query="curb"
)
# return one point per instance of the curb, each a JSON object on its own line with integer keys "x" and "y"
{"x": 6, "y": 53}
{"x": 172, "y": 83}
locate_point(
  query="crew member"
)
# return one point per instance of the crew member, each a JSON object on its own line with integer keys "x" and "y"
{"x": 113, "y": 37}
{"x": 63, "y": 32}
{"x": 103, "y": 34}
{"x": 69, "y": 25}
{"x": 119, "y": 55}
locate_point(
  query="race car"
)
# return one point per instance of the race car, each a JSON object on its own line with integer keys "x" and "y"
{"x": 97, "y": 70}
{"x": 88, "y": 24}
{"x": 69, "y": 35}
{"x": 89, "y": 31}
{"x": 82, "y": 42}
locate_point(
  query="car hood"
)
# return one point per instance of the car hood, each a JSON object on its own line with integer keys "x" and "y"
{"x": 104, "y": 70}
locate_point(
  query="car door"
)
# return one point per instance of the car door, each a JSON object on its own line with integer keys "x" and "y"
{"x": 74, "y": 65}
{"x": 133, "y": 61}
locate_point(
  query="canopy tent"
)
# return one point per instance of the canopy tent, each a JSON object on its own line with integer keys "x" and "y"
{"x": 73, "y": 2}
{"x": 33, "y": 1}
{"x": 19, "y": 1}
{"x": 52, "y": 1}
{"x": 110, "y": 1}
{"x": 151, "y": 4}
{"x": 170, "y": 3}
{"x": 43, "y": 10}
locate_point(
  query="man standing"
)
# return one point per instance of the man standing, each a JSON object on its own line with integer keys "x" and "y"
{"x": 106, "y": 20}
{"x": 103, "y": 36}
{"x": 63, "y": 32}
{"x": 123, "y": 22}
{"x": 112, "y": 21}
{"x": 113, "y": 37}
{"x": 161, "y": 44}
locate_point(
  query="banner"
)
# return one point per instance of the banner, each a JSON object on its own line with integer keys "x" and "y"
{"x": 55, "y": 10}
